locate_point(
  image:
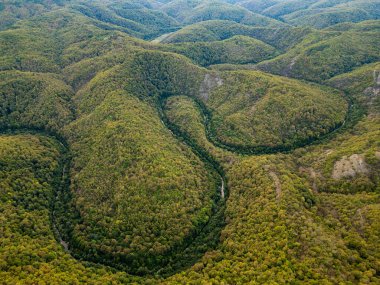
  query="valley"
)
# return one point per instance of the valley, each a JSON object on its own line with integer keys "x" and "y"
{"x": 189, "y": 142}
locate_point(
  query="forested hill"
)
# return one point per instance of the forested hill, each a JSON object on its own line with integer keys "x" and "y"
{"x": 189, "y": 142}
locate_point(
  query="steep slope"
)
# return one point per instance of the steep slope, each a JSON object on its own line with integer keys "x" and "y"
{"x": 134, "y": 18}
{"x": 189, "y": 12}
{"x": 216, "y": 10}
{"x": 251, "y": 111}
{"x": 282, "y": 8}
{"x": 117, "y": 178}
{"x": 316, "y": 13}
{"x": 322, "y": 55}
{"x": 136, "y": 171}
{"x": 96, "y": 225}
{"x": 12, "y": 11}
{"x": 235, "y": 50}
{"x": 294, "y": 203}
{"x": 352, "y": 11}
{"x": 257, "y": 6}
{"x": 30, "y": 173}
{"x": 37, "y": 100}
{"x": 215, "y": 30}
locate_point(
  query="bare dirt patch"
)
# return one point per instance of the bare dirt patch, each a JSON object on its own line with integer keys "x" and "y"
{"x": 210, "y": 82}
{"x": 276, "y": 180}
{"x": 348, "y": 167}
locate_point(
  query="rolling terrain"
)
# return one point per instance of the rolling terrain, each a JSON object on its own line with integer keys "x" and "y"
{"x": 189, "y": 142}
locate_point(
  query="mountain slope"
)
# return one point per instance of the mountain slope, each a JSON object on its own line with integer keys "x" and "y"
{"x": 322, "y": 55}
{"x": 124, "y": 161}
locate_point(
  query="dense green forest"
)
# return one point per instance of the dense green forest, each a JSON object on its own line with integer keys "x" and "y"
{"x": 189, "y": 142}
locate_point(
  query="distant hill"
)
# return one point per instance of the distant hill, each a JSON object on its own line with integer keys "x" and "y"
{"x": 281, "y": 38}
{"x": 189, "y": 142}
{"x": 235, "y": 50}
{"x": 322, "y": 55}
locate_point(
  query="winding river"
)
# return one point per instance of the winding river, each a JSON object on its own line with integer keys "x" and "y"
{"x": 211, "y": 229}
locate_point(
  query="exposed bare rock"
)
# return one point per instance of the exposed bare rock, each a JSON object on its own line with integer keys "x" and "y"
{"x": 313, "y": 176}
{"x": 361, "y": 220}
{"x": 210, "y": 82}
{"x": 349, "y": 167}
{"x": 376, "y": 77}
{"x": 375, "y": 89}
{"x": 372, "y": 91}
{"x": 163, "y": 38}
{"x": 289, "y": 68}
{"x": 277, "y": 183}
{"x": 276, "y": 180}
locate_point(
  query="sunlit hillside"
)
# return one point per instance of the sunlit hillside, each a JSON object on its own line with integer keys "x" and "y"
{"x": 189, "y": 142}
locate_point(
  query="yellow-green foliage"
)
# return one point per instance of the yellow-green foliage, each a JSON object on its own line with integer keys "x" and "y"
{"x": 320, "y": 14}
{"x": 80, "y": 73}
{"x": 140, "y": 19}
{"x": 158, "y": 73}
{"x": 283, "y": 199}
{"x": 100, "y": 13}
{"x": 186, "y": 115}
{"x": 328, "y": 17}
{"x": 125, "y": 163}
{"x": 55, "y": 40}
{"x": 38, "y": 44}
{"x": 29, "y": 253}
{"x": 362, "y": 84}
{"x": 215, "y": 30}
{"x": 235, "y": 50}
{"x": 13, "y": 10}
{"x": 357, "y": 81}
{"x": 252, "y": 108}
{"x": 38, "y": 100}
{"x": 322, "y": 55}
{"x": 183, "y": 112}
{"x": 362, "y": 140}
{"x": 156, "y": 22}
{"x": 198, "y": 11}
{"x": 18, "y": 51}
{"x": 277, "y": 232}
{"x": 143, "y": 200}
{"x": 222, "y": 11}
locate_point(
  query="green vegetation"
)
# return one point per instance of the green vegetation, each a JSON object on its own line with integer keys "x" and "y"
{"x": 36, "y": 100}
{"x": 190, "y": 12}
{"x": 13, "y": 10}
{"x": 148, "y": 17}
{"x": 321, "y": 14}
{"x": 215, "y": 10}
{"x": 287, "y": 234}
{"x": 30, "y": 171}
{"x": 124, "y": 161}
{"x": 314, "y": 13}
{"x": 330, "y": 17}
{"x": 235, "y": 50}
{"x": 257, "y": 6}
{"x": 269, "y": 111}
{"x": 179, "y": 9}
{"x": 117, "y": 178}
{"x": 282, "y": 38}
{"x": 360, "y": 82}
{"x": 290, "y": 211}
{"x": 103, "y": 14}
{"x": 322, "y": 55}
{"x": 282, "y": 8}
